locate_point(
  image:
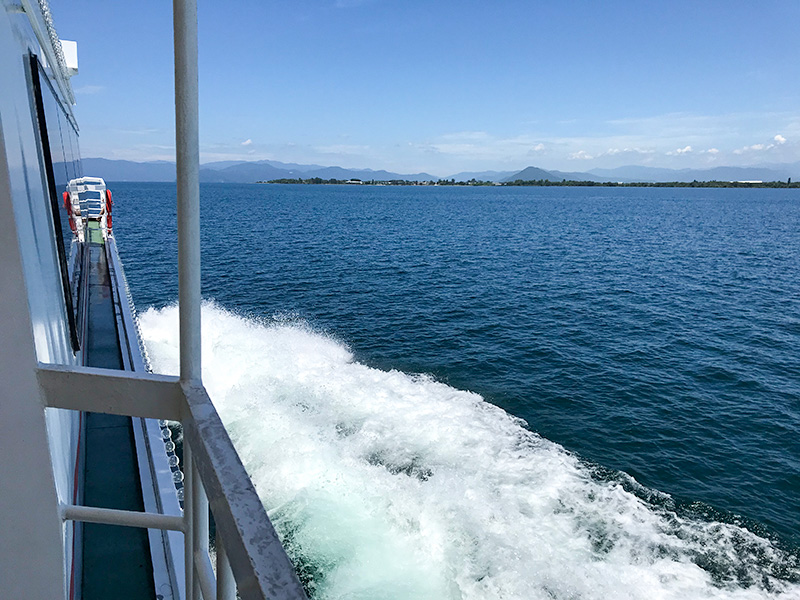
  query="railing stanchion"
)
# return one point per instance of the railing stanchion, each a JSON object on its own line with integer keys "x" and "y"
{"x": 188, "y": 513}
{"x": 226, "y": 585}
{"x": 199, "y": 526}
{"x": 187, "y": 155}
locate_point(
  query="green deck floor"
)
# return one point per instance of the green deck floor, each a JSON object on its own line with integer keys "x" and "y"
{"x": 116, "y": 560}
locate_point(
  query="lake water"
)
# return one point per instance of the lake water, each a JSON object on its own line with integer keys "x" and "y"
{"x": 501, "y": 392}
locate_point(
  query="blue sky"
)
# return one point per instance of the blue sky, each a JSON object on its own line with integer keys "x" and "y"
{"x": 448, "y": 86}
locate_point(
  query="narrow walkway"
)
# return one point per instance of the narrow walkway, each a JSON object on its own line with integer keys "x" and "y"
{"x": 116, "y": 560}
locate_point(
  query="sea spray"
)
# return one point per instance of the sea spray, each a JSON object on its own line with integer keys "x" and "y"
{"x": 389, "y": 485}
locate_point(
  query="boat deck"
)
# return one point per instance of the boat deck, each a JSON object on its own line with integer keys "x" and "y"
{"x": 116, "y": 559}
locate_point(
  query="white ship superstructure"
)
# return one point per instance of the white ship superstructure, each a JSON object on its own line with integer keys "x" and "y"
{"x": 88, "y": 198}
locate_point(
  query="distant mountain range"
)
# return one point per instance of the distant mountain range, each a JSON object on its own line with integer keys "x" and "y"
{"x": 534, "y": 174}
{"x": 236, "y": 171}
{"x": 634, "y": 173}
{"x": 266, "y": 170}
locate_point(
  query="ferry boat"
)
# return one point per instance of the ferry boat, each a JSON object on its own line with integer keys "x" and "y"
{"x": 94, "y": 500}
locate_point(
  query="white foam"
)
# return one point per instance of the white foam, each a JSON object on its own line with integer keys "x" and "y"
{"x": 389, "y": 485}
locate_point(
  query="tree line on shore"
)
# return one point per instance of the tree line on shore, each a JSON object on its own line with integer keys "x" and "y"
{"x": 545, "y": 183}
{"x": 689, "y": 184}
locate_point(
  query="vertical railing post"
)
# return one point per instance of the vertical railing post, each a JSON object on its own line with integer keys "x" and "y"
{"x": 226, "y": 585}
{"x": 187, "y": 154}
{"x": 199, "y": 528}
{"x": 188, "y": 513}
{"x": 187, "y": 159}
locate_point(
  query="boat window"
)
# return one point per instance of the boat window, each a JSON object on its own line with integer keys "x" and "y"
{"x": 54, "y": 127}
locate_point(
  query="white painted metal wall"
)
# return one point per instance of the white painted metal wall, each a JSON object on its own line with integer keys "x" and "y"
{"x": 34, "y": 543}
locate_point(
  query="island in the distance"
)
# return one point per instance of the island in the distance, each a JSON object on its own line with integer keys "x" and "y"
{"x": 543, "y": 182}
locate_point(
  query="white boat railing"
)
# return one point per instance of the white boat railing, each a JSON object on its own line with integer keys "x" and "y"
{"x": 250, "y": 559}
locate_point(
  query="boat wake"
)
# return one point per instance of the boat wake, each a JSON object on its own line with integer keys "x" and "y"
{"x": 390, "y": 485}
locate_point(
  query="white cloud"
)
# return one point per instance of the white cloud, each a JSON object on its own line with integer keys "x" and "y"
{"x": 247, "y": 142}
{"x": 724, "y": 131}
{"x": 779, "y": 140}
{"x": 676, "y": 140}
{"x": 679, "y": 151}
{"x": 481, "y": 146}
{"x": 754, "y": 148}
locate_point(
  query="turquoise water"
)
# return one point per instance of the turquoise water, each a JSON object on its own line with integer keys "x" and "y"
{"x": 360, "y": 338}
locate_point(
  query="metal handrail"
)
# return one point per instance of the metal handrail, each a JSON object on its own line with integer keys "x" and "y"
{"x": 250, "y": 558}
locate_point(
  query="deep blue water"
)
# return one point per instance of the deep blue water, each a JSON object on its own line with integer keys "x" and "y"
{"x": 651, "y": 331}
